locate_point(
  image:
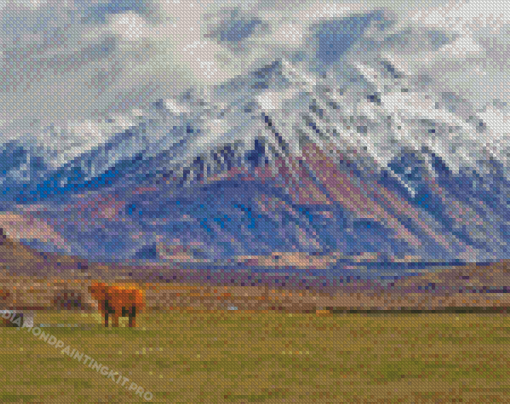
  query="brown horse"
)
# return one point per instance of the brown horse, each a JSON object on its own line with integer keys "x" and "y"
{"x": 118, "y": 301}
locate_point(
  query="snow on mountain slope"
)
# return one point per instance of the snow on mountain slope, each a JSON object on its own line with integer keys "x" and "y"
{"x": 355, "y": 154}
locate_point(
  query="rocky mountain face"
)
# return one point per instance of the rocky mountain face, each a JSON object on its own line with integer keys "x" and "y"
{"x": 355, "y": 158}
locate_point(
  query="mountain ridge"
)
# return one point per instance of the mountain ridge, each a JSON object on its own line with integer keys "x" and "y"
{"x": 291, "y": 134}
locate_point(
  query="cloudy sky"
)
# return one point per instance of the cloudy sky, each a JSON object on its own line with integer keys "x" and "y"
{"x": 67, "y": 62}
{"x": 71, "y": 63}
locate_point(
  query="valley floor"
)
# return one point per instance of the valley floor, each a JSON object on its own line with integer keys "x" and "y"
{"x": 468, "y": 288}
{"x": 198, "y": 343}
{"x": 235, "y": 356}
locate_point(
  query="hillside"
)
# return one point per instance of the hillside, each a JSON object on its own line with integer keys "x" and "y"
{"x": 17, "y": 258}
{"x": 41, "y": 281}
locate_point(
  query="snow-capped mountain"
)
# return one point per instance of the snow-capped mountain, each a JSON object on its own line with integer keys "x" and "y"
{"x": 357, "y": 157}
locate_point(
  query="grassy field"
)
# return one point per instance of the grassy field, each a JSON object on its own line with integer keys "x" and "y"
{"x": 240, "y": 357}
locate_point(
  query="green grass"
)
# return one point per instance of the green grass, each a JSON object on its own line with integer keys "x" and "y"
{"x": 265, "y": 358}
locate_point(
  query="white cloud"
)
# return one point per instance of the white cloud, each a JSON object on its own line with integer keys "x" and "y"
{"x": 56, "y": 68}
{"x": 129, "y": 26}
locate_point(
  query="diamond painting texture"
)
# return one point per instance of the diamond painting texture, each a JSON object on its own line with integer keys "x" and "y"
{"x": 254, "y": 201}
